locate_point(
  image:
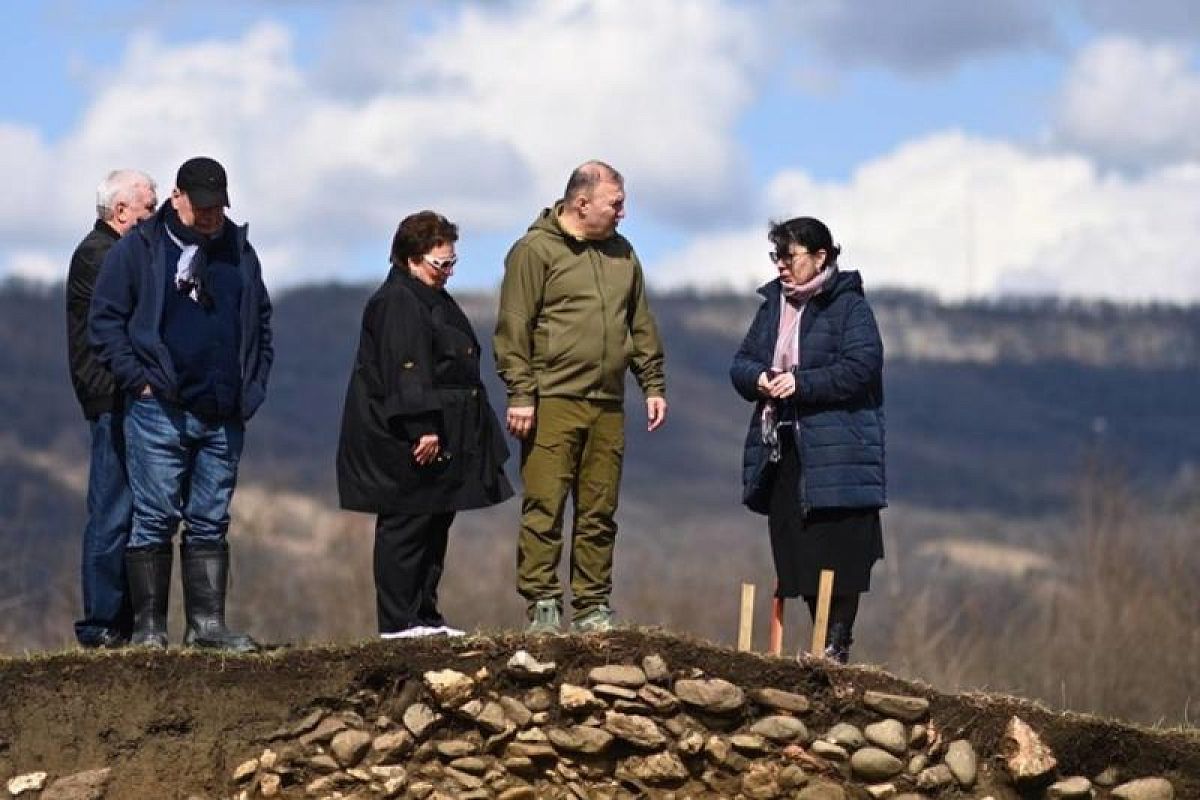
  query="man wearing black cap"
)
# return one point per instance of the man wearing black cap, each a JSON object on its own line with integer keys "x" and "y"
{"x": 182, "y": 319}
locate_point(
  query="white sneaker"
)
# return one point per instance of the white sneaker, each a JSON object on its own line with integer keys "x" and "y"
{"x": 415, "y": 632}
{"x": 446, "y": 630}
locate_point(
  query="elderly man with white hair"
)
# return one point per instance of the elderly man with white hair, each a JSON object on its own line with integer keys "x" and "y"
{"x": 123, "y": 198}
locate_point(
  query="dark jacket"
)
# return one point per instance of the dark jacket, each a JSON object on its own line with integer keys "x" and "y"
{"x": 838, "y": 405}
{"x": 573, "y": 317}
{"x": 416, "y": 373}
{"x": 202, "y": 332}
{"x": 127, "y": 315}
{"x": 94, "y": 384}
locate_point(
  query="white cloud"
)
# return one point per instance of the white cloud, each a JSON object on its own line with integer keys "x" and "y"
{"x": 34, "y": 265}
{"x": 491, "y": 108}
{"x": 655, "y": 88}
{"x": 482, "y": 109}
{"x": 30, "y": 174}
{"x": 158, "y": 107}
{"x": 1132, "y": 104}
{"x": 962, "y": 216}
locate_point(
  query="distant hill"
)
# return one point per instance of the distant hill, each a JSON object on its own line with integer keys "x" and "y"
{"x": 1040, "y": 454}
{"x": 989, "y": 406}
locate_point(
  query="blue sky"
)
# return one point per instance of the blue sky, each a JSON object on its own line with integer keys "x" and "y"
{"x": 964, "y": 149}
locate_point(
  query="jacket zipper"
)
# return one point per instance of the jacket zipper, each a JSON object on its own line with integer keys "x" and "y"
{"x": 799, "y": 444}
{"x": 603, "y": 318}
{"x": 805, "y": 506}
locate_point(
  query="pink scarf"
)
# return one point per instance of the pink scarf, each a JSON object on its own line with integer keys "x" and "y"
{"x": 795, "y": 298}
{"x": 787, "y": 344}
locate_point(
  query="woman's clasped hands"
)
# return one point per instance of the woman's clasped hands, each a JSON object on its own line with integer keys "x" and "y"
{"x": 776, "y": 384}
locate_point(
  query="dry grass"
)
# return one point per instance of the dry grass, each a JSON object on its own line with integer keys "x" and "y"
{"x": 1112, "y": 630}
{"x": 1105, "y": 623}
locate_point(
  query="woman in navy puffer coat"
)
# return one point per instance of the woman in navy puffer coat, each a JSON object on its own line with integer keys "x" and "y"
{"x": 812, "y": 363}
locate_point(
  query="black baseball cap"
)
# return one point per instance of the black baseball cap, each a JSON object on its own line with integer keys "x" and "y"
{"x": 203, "y": 180}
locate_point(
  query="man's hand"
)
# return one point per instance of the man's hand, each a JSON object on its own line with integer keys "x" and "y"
{"x": 764, "y": 384}
{"x": 426, "y": 449}
{"x": 656, "y": 412}
{"x": 520, "y": 420}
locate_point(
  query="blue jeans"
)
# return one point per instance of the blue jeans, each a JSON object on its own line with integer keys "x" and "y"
{"x": 180, "y": 468}
{"x": 106, "y": 608}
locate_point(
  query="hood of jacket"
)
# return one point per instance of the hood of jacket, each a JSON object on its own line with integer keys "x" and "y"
{"x": 548, "y": 222}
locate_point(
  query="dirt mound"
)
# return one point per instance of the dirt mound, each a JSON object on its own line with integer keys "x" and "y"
{"x": 178, "y": 724}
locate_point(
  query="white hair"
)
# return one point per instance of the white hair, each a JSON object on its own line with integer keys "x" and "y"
{"x": 117, "y": 186}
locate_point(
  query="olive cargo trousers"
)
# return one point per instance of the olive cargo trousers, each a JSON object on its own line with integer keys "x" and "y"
{"x": 576, "y": 447}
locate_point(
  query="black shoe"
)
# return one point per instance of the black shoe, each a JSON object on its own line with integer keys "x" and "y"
{"x": 837, "y": 647}
{"x": 105, "y": 640}
{"x": 111, "y": 640}
{"x": 205, "y": 579}
{"x": 149, "y": 574}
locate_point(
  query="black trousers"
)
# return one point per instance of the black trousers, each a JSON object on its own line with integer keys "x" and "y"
{"x": 843, "y": 609}
{"x": 410, "y": 552}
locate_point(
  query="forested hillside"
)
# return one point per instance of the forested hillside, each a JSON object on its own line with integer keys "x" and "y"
{"x": 1040, "y": 454}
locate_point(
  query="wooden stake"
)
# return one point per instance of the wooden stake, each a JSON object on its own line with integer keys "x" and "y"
{"x": 776, "y": 645}
{"x": 821, "y": 623}
{"x": 746, "y": 622}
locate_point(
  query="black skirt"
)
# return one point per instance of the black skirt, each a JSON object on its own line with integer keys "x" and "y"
{"x": 846, "y": 540}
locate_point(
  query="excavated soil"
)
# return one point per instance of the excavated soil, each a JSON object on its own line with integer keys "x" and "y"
{"x": 175, "y": 724}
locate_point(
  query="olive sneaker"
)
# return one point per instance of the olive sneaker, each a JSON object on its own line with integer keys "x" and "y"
{"x": 596, "y": 619}
{"x": 545, "y": 617}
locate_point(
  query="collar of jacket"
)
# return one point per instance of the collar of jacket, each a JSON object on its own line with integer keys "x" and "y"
{"x": 556, "y": 212}
{"x": 108, "y": 230}
{"x": 426, "y": 294}
{"x": 550, "y": 221}
{"x": 150, "y": 228}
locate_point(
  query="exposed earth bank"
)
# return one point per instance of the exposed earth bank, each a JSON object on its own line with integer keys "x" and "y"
{"x": 180, "y": 724}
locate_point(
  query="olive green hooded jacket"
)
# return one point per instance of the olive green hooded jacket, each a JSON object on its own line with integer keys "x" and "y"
{"x": 573, "y": 316}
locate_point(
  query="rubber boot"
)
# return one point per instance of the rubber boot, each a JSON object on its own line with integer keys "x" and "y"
{"x": 148, "y": 571}
{"x": 205, "y": 579}
{"x": 838, "y": 641}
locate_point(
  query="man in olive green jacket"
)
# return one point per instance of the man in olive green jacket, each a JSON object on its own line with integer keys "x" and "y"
{"x": 573, "y": 317}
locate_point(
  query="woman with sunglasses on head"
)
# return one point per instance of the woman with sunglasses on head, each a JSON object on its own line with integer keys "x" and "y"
{"x": 812, "y": 363}
{"x": 419, "y": 440}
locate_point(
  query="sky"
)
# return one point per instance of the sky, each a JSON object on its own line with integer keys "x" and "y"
{"x": 967, "y": 150}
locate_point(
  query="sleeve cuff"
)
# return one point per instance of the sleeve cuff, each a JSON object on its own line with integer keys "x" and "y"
{"x": 416, "y": 427}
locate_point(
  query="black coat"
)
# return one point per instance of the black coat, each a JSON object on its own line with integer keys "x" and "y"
{"x": 417, "y": 372}
{"x": 94, "y": 384}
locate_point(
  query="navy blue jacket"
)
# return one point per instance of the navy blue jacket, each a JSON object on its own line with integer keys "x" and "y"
{"x": 838, "y": 405}
{"x": 125, "y": 322}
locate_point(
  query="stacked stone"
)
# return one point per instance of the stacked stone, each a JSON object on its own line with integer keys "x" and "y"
{"x": 87, "y": 785}
{"x": 1031, "y": 764}
{"x": 627, "y": 731}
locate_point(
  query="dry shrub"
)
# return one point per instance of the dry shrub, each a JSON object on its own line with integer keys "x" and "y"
{"x": 1112, "y": 630}
{"x": 1109, "y": 628}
